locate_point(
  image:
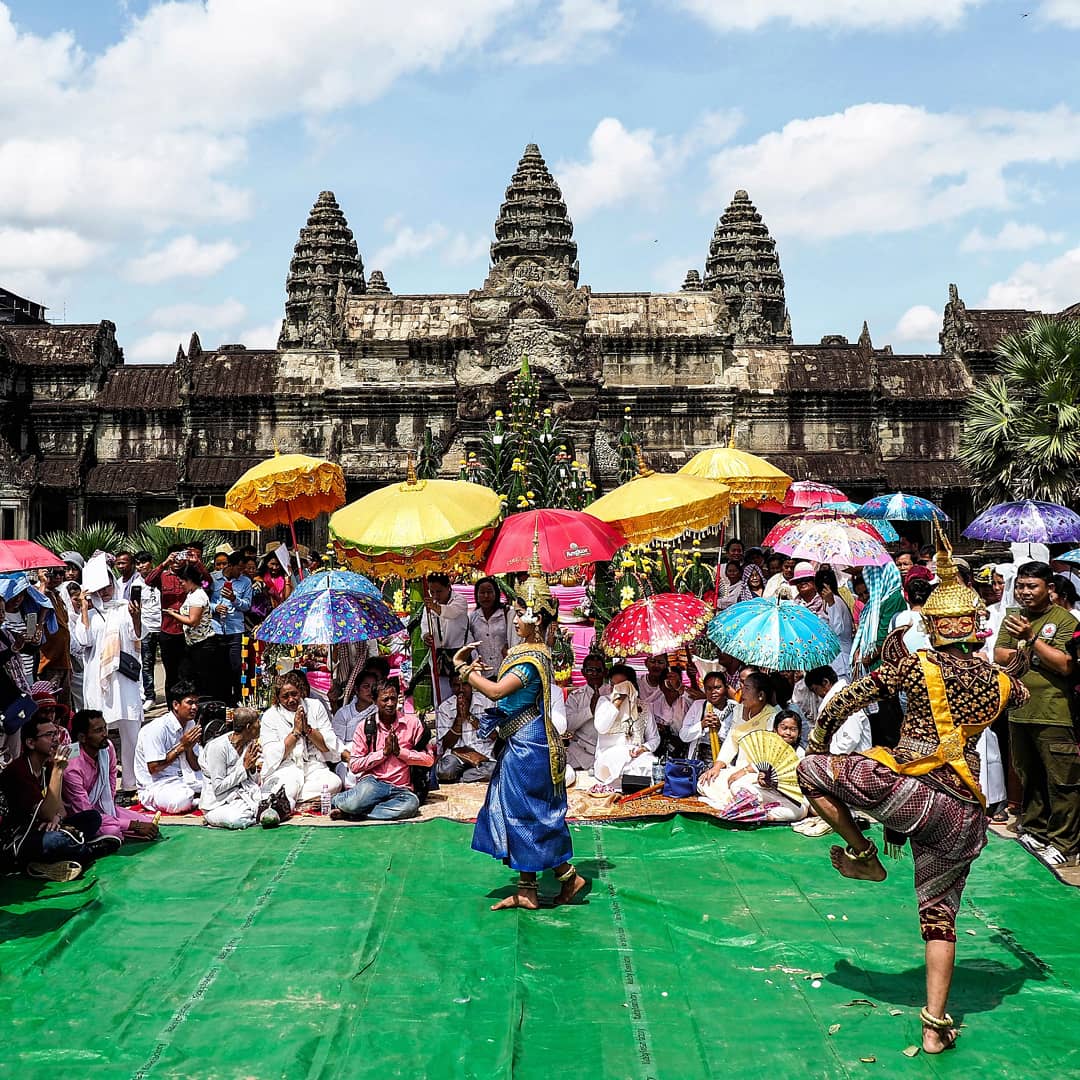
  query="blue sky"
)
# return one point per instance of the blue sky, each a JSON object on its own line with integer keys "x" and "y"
{"x": 157, "y": 160}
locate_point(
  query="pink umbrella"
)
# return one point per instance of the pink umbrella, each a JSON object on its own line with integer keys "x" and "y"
{"x": 567, "y": 538}
{"x": 25, "y": 555}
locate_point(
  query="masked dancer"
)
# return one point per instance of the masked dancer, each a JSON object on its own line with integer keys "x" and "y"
{"x": 523, "y": 820}
{"x": 926, "y": 788}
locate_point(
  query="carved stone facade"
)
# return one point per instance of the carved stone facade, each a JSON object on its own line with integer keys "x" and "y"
{"x": 360, "y": 372}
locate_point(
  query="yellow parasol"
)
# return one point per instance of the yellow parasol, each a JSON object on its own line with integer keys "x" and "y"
{"x": 749, "y": 477}
{"x": 208, "y": 518}
{"x": 654, "y": 507}
{"x": 416, "y": 528}
{"x": 287, "y": 488}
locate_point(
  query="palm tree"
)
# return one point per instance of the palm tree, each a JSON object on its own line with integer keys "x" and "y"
{"x": 1021, "y": 437}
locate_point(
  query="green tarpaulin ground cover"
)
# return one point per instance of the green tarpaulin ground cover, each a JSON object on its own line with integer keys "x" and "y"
{"x": 311, "y": 952}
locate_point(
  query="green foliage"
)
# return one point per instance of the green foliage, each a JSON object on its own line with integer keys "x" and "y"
{"x": 1021, "y": 437}
{"x": 85, "y": 541}
{"x": 156, "y": 540}
{"x": 429, "y": 460}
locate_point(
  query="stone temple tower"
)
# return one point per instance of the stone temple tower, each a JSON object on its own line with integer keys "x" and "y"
{"x": 325, "y": 269}
{"x": 534, "y": 236}
{"x": 744, "y": 266}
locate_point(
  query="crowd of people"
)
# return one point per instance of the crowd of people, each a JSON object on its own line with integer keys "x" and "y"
{"x": 84, "y": 643}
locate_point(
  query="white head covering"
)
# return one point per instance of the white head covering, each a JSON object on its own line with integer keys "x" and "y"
{"x": 96, "y": 575}
{"x": 1023, "y": 553}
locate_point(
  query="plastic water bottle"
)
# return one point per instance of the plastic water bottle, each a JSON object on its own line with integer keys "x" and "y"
{"x": 324, "y": 800}
{"x": 657, "y": 771}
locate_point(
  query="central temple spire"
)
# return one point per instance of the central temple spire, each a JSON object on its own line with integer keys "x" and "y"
{"x": 534, "y": 236}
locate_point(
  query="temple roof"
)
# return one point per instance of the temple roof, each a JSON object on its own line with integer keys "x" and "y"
{"x": 50, "y": 345}
{"x": 741, "y": 246}
{"x": 141, "y": 386}
{"x": 377, "y": 284}
{"x": 533, "y": 221}
{"x": 133, "y": 478}
{"x": 236, "y": 373}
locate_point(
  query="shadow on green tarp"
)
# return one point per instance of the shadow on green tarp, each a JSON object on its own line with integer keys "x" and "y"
{"x": 699, "y": 952}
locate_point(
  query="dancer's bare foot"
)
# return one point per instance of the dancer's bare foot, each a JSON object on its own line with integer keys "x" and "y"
{"x": 571, "y": 887}
{"x": 935, "y": 1041}
{"x": 525, "y": 897}
{"x": 868, "y": 869}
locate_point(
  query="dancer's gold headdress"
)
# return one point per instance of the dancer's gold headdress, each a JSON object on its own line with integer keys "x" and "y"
{"x": 952, "y": 611}
{"x": 536, "y": 592}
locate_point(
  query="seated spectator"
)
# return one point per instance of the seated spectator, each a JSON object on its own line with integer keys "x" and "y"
{"x": 651, "y": 687}
{"x": 714, "y": 713}
{"x": 231, "y": 795}
{"x": 853, "y": 734}
{"x": 167, "y": 754}
{"x": 90, "y": 780}
{"x": 626, "y": 734}
{"x": 758, "y": 707}
{"x": 720, "y": 785}
{"x": 36, "y": 833}
{"x": 581, "y": 705}
{"x": 464, "y": 756}
{"x": 351, "y": 715}
{"x": 300, "y": 748}
{"x": 668, "y": 710}
{"x": 383, "y": 751}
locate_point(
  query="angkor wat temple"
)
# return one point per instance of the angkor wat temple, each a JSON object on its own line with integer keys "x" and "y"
{"x": 360, "y": 372}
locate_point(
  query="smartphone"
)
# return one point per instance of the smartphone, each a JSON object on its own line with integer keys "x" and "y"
{"x": 74, "y": 750}
{"x": 136, "y": 593}
{"x": 31, "y": 625}
{"x": 1014, "y": 612}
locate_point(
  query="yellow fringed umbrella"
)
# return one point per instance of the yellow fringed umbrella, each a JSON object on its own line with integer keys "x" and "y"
{"x": 416, "y": 528}
{"x": 654, "y": 507}
{"x": 750, "y": 478}
{"x": 287, "y": 488}
{"x": 208, "y": 519}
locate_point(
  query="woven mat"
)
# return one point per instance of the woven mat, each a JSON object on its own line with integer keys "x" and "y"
{"x": 462, "y": 802}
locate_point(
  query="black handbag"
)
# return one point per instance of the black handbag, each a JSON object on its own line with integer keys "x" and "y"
{"x": 129, "y": 667}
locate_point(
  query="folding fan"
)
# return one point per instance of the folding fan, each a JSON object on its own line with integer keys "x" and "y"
{"x": 774, "y": 758}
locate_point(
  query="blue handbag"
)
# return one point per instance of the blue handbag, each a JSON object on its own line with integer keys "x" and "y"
{"x": 681, "y": 777}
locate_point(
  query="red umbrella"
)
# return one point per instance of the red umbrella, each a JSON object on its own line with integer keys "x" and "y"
{"x": 567, "y": 538}
{"x": 656, "y": 624}
{"x": 25, "y": 555}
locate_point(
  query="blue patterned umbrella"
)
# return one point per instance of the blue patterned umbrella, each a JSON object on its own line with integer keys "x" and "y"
{"x": 322, "y": 615}
{"x": 343, "y": 581}
{"x": 780, "y": 635}
{"x": 1070, "y": 556}
{"x": 901, "y": 507}
{"x": 1026, "y": 522}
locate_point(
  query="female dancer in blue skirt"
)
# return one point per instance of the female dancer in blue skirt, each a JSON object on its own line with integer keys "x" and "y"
{"x": 523, "y": 820}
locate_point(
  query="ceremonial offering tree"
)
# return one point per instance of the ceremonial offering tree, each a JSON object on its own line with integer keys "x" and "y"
{"x": 529, "y": 460}
{"x": 1021, "y": 437}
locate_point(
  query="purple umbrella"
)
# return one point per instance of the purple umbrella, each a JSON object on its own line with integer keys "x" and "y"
{"x": 1026, "y": 522}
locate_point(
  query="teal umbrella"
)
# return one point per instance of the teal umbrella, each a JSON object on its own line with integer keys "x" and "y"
{"x": 780, "y": 635}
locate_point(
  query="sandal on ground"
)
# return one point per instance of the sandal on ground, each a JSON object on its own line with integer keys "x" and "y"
{"x": 54, "y": 871}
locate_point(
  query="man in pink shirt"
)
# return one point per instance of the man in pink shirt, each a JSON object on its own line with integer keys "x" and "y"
{"x": 384, "y": 748}
{"x": 90, "y": 780}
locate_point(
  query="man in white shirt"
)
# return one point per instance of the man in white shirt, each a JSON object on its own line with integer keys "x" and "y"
{"x": 230, "y": 794}
{"x": 714, "y": 712}
{"x": 581, "y": 705}
{"x": 352, "y": 715}
{"x": 167, "y": 752}
{"x": 150, "y": 613}
{"x": 444, "y": 624}
{"x": 626, "y": 732}
{"x": 300, "y": 748}
{"x": 853, "y": 735}
{"x": 464, "y": 756}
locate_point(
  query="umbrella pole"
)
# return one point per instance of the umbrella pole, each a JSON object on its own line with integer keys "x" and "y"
{"x": 292, "y": 533}
{"x": 432, "y": 662}
{"x": 667, "y": 567}
{"x": 719, "y": 553}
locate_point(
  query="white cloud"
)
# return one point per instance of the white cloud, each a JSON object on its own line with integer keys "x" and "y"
{"x": 670, "y": 273}
{"x": 229, "y": 313}
{"x": 877, "y": 168}
{"x": 150, "y": 133}
{"x": 727, "y": 15}
{"x": 625, "y": 165}
{"x": 261, "y": 337}
{"x": 920, "y": 324}
{"x": 45, "y": 249}
{"x": 1048, "y": 286}
{"x": 156, "y": 348}
{"x": 183, "y": 257}
{"x": 575, "y": 26}
{"x": 408, "y": 242}
{"x": 1062, "y": 12}
{"x": 1011, "y": 237}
